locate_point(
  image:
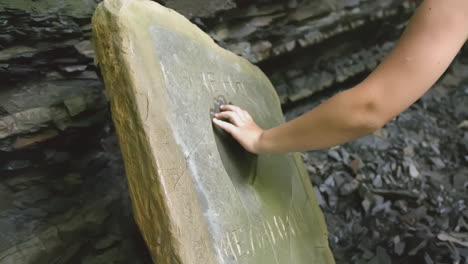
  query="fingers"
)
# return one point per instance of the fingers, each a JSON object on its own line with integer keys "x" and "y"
{"x": 231, "y": 116}
{"x": 230, "y": 128}
{"x": 230, "y": 108}
{"x": 241, "y": 112}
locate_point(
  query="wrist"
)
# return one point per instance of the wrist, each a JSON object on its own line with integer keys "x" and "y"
{"x": 262, "y": 145}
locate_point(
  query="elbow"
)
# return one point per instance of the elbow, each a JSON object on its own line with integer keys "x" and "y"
{"x": 371, "y": 126}
{"x": 369, "y": 118}
{"x": 364, "y": 111}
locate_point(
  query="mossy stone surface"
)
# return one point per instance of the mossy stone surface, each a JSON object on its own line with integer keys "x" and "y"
{"x": 198, "y": 197}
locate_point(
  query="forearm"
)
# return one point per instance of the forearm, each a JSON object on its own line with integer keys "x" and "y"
{"x": 433, "y": 37}
{"x": 342, "y": 118}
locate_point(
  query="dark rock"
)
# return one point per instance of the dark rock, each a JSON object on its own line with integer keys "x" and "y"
{"x": 399, "y": 246}
{"x": 334, "y": 155}
{"x": 199, "y": 8}
{"x": 438, "y": 162}
{"x": 349, "y": 187}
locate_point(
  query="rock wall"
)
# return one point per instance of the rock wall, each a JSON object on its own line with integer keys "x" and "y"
{"x": 307, "y": 46}
{"x": 63, "y": 190}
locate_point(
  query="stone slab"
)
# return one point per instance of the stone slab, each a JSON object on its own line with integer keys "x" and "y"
{"x": 198, "y": 196}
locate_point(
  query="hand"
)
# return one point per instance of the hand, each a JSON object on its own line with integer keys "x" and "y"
{"x": 242, "y": 127}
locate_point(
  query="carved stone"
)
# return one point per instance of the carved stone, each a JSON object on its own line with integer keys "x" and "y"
{"x": 198, "y": 196}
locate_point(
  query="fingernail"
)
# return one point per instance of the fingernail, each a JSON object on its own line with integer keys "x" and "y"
{"x": 221, "y": 106}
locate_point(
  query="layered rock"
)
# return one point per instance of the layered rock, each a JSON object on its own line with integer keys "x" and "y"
{"x": 308, "y": 46}
{"x": 63, "y": 189}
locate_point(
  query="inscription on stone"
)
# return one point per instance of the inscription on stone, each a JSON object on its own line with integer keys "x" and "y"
{"x": 272, "y": 230}
{"x": 211, "y": 82}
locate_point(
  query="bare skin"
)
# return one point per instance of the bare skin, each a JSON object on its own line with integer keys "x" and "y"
{"x": 430, "y": 42}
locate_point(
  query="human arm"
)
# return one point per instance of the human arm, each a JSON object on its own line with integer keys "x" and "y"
{"x": 432, "y": 39}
